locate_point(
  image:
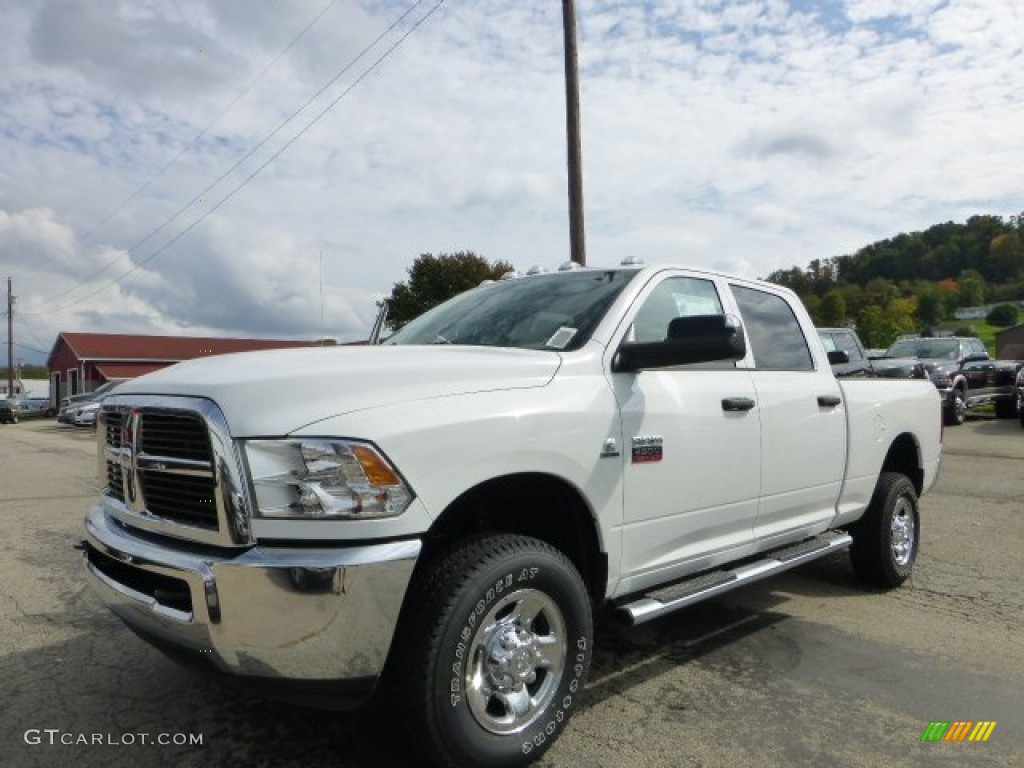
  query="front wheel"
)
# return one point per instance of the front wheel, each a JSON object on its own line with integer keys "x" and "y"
{"x": 886, "y": 539}
{"x": 494, "y": 653}
{"x": 956, "y": 409}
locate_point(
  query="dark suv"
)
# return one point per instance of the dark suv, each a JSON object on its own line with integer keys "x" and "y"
{"x": 8, "y": 411}
{"x": 961, "y": 369}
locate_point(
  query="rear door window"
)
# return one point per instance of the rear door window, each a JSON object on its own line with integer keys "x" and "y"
{"x": 774, "y": 333}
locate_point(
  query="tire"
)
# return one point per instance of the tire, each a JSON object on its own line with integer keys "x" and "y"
{"x": 886, "y": 539}
{"x": 956, "y": 409}
{"x": 493, "y": 655}
{"x": 1006, "y": 409}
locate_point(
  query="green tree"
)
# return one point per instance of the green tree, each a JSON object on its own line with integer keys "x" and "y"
{"x": 930, "y": 305}
{"x": 435, "y": 279}
{"x": 972, "y": 289}
{"x": 871, "y": 327}
{"x": 879, "y": 326}
{"x": 880, "y": 291}
{"x": 1003, "y": 315}
{"x": 832, "y": 310}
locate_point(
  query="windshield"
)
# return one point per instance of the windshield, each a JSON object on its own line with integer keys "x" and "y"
{"x": 556, "y": 312}
{"x": 934, "y": 349}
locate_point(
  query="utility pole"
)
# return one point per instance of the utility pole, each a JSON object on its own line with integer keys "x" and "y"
{"x": 10, "y": 340}
{"x": 577, "y": 239}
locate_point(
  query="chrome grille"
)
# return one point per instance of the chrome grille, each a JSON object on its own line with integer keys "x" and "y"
{"x": 175, "y": 435}
{"x": 169, "y": 466}
{"x": 185, "y": 498}
{"x": 115, "y": 480}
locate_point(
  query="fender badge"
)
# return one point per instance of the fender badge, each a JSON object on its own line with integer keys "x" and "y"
{"x": 610, "y": 448}
{"x": 647, "y": 448}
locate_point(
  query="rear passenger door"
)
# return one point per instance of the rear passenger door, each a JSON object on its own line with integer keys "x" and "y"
{"x": 803, "y": 423}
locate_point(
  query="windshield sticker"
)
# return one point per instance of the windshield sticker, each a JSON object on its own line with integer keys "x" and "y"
{"x": 560, "y": 339}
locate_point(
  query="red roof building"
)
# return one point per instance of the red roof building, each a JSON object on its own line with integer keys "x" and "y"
{"x": 80, "y": 362}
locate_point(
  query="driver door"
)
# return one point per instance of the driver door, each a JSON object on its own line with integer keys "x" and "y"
{"x": 691, "y": 447}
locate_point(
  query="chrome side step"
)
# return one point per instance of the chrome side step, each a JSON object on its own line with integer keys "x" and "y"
{"x": 684, "y": 593}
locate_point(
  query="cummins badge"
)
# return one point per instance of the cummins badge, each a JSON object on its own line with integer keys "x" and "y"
{"x": 647, "y": 448}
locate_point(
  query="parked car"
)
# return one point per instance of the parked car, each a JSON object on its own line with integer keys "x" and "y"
{"x": 845, "y": 340}
{"x": 1020, "y": 395}
{"x": 854, "y": 360}
{"x": 36, "y": 407}
{"x": 85, "y": 415}
{"x": 964, "y": 373}
{"x": 70, "y": 406}
{"x": 8, "y": 411}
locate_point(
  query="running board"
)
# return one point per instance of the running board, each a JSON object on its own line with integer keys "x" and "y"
{"x": 662, "y": 601}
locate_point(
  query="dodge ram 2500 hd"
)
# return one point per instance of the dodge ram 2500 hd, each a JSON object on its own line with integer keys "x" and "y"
{"x": 437, "y": 517}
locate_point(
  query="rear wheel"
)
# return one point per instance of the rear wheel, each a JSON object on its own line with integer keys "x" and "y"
{"x": 1006, "y": 408}
{"x": 886, "y": 539}
{"x": 494, "y": 653}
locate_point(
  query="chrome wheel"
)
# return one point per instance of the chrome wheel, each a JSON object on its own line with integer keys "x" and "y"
{"x": 956, "y": 410}
{"x": 902, "y": 530}
{"x": 516, "y": 660}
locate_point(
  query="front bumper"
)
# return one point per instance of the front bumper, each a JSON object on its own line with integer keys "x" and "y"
{"x": 318, "y": 615}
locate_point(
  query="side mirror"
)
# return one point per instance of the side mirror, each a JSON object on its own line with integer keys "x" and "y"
{"x": 696, "y": 339}
{"x": 838, "y": 357}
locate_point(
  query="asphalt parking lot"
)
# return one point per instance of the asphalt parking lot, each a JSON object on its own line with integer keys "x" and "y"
{"x": 807, "y": 669}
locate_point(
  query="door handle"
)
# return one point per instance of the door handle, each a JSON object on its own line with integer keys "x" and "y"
{"x": 737, "y": 403}
{"x": 828, "y": 401}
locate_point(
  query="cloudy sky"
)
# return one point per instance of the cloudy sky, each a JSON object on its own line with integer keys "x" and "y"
{"x": 269, "y": 168}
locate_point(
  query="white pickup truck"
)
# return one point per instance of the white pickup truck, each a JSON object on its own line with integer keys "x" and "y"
{"x": 436, "y": 518}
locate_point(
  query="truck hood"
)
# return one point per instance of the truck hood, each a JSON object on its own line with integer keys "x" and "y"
{"x": 279, "y": 391}
{"x": 898, "y": 367}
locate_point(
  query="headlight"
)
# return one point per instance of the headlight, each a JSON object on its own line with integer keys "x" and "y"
{"x": 942, "y": 379}
{"x": 324, "y": 479}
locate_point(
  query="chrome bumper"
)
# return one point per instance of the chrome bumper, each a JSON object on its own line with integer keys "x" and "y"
{"x": 283, "y": 614}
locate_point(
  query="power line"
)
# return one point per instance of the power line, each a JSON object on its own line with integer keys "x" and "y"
{"x": 32, "y": 310}
{"x": 31, "y": 331}
{"x": 269, "y": 160}
{"x": 31, "y": 349}
{"x": 198, "y": 136}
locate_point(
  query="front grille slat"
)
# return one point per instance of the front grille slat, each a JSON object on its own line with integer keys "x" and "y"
{"x": 115, "y": 481}
{"x": 113, "y": 426}
{"x": 179, "y": 436}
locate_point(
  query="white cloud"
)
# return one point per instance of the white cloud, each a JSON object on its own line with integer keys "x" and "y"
{"x": 749, "y": 135}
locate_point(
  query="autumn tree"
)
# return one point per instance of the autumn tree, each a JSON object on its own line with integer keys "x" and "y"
{"x": 435, "y": 279}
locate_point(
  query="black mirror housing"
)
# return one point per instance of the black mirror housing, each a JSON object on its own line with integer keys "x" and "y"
{"x": 838, "y": 357}
{"x": 696, "y": 339}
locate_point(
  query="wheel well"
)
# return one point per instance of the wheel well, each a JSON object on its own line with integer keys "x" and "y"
{"x": 532, "y": 504}
{"x": 904, "y": 457}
